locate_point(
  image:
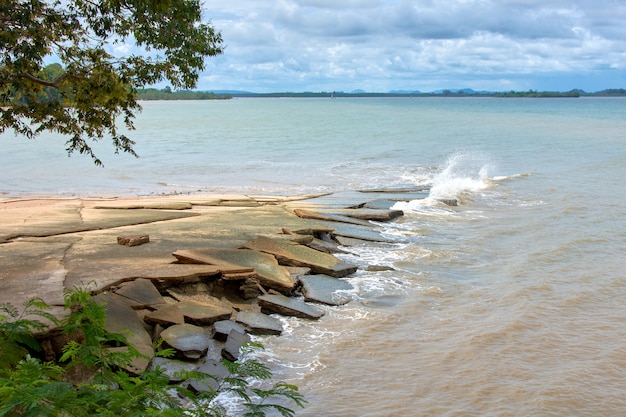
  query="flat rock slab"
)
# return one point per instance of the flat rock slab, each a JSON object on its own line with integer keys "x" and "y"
{"x": 171, "y": 367}
{"x": 165, "y": 316}
{"x": 326, "y": 290}
{"x": 120, "y": 318}
{"x": 259, "y": 324}
{"x": 234, "y": 343}
{"x": 287, "y": 306}
{"x": 139, "y": 204}
{"x": 203, "y": 314}
{"x": 189, "y": 340}
{"x": 378, "y": 215}
{"x": 142, "y": 292}
{"x": 293, "y": 254}
{"x": 368, "y": 234}
{"x": 223, "y": 328}
{"x": 269, "y": 273}
{"x": 329, "y": 217}
{"x": 217, "y": 372}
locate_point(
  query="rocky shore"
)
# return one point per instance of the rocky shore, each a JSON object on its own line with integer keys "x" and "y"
{"x": 202, "y": 273}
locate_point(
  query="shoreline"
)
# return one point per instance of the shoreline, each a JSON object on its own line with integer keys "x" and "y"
{"x": 231, "y": 255}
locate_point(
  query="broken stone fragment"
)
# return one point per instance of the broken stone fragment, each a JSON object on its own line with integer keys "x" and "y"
{"x": 215, "y": 371}
{"x": 171, "y": 367}
{"x": 326, "y": 290}
{"x": 189, "y": 340}
{"x": 133, "y": 240}
{"x": 120, "y": 318}
{"x": 203, "y": 314}
{"x": 142, "y": 292}
{"x": 234, "y": 343}
{"x": 287, "y": 306}
{"x": 224, "y": 327}
{"x": 165, "y": 316}
{"x": 237, "y": 263}
{"x": 259, "y": 323}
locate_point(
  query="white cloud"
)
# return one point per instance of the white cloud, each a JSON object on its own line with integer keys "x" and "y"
{"x": 381, "y": 45}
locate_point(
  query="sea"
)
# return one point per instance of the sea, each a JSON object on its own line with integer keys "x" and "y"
{"x": 512, "y": 303}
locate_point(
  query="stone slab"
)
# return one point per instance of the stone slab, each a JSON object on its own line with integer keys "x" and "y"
{"x": 326, "y": 290}
{"x": 203, "y": 314}
{"x": 223, "y": 328}
{"x": 269, "y": 273}
{"x": 288, "y": 306}
{"x": 143, "y": 292}
{"x": 189, "y": 340}
{"x": 171, "y": 367}
{"x": 120, "y": 318}
{"x": 234, "y": 343}
{"x": 293, "y": 254}
{"x": 215, "y": 371}
{"x": 259, "y": 324}
{"x": 329, "y": 217}
{"x": 165, "y": 316}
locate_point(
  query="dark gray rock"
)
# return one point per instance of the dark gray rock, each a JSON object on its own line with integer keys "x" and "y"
{"x": 326, "y": 290}
{"x": 189, "y": 340}
{"x": 171, "y": 367}
{"x": 215, "y": 372}
{"x": 287, "y": 306}
{"x": 234, "y": 342}
{"x": 223, "y": 328}
{"x": 259, "y": 323}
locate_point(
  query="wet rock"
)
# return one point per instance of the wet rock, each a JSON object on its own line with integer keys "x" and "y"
{"x": 325, "y": 246}
{"x": 259, "y": 323}
{"x": 379, "y": 268}
{"x": 368, "y": 234}
{"x": 223, "y": 328}
{"x": 287, "y": 306}
{"x": 453, "y": 202}
{"x": 165, "y": 316}
{"x": 133, "y": 240}
{"x": 171, "y": 367}
{"x": 203, "y": 314}
{"x": 329, "y": 217}
{"x": 326, "y": 290}
{"x": 293, "y": 254}
{"x": 142, "y": 292}
{"x": 215, "y": 372}
{"x": 234, "y": 343}
{"x": 189, "y": 340}
{"x": 378, "y": 215}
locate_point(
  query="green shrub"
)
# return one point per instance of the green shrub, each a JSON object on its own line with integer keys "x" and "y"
{"x": 31, "y": 387}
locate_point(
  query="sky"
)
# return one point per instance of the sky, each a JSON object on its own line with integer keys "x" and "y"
{"x": 423, "y": 45}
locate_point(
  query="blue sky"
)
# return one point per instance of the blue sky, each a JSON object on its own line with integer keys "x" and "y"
{"x": 426, "y": 45}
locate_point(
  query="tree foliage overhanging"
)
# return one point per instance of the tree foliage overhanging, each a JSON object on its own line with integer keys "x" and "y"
{"x": 91, "y": 88}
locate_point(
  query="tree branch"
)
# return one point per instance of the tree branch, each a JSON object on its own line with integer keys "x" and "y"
{"x": 54, "y": 83}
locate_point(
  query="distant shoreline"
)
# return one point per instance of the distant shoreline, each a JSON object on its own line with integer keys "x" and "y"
{"x": 166, "y": 94}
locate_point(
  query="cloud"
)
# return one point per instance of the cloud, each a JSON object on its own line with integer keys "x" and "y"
{"x": 380, "y": 45}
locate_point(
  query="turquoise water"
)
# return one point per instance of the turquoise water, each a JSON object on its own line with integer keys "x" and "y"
{"x": 511, "y": 304}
